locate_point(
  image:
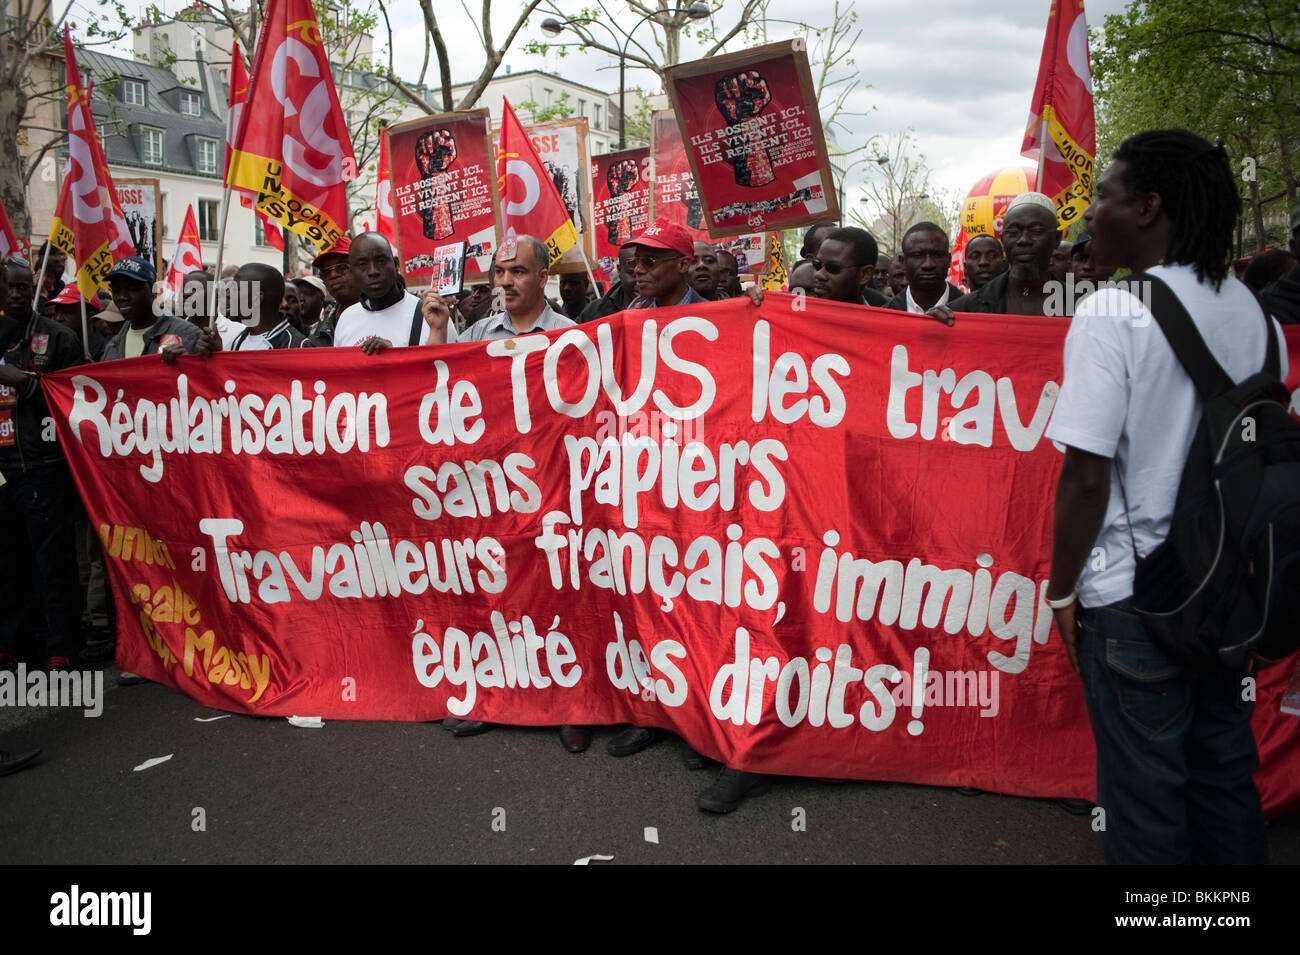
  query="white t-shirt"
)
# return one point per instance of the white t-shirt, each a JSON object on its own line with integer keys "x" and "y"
{"x": 1126, "y": 396}
{"x": 356, "y": 324}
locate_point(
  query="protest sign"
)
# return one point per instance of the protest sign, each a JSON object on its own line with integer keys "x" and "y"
{"x": 444, "y": 189}
{"x": 620, "y": 188}
{"x": 562, "y": 147}
{"x": 810, "y": 539}
{"x": 141, "y": 204}
{"x": 673, "y": 194}
{"x": 754, "y": 140}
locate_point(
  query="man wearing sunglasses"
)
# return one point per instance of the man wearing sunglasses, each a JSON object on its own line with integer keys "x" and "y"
{"x": 844, "y": 264}
{"x": 661, "y": 266}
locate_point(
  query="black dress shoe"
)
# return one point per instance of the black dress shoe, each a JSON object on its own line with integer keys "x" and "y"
{"x": 575, "y": 738}
{"x": 449, "y": 723}
{"x": 470, "y": 728}
{"x": 12, "y": 762}
{"x": 633, "y": 740}
{"x": 730, "y": 789}
{"x": 693, "y": 760}
{"x": 969, "y": 791}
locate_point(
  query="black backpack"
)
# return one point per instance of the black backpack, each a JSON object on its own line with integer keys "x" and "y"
{"x": 1225, "y": 584}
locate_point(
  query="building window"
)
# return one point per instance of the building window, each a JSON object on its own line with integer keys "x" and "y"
{"x": 595, "y": 115}
{"x": 207, "y": 156}
{"x": 209, "y": 219}
{"x": 582, "y": 107}
{"x": 152, "y": 142}
{"x": 549, "y": 94}
{"x": 133, "y": 92}
{"x": 191, "y": 103}
{"x": 259, "y": 233}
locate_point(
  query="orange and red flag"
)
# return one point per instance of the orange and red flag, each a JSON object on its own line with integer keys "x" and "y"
{"x": 88, "y": 223}
{"x": 1062, "y": 128}
{"x": 297, "y": 156}
{"x": 530, "y": 203}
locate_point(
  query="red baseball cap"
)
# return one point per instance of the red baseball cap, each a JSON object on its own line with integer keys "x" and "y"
{"x": 338, "y": 248}
{"x": 662, "y": 234}
{"x": 69, "y": 296}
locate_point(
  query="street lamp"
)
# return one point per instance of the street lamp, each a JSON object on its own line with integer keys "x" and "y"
{"x": 553, "y": 28}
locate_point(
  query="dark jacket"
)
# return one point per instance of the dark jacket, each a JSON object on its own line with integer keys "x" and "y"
{"x": 1283, "y": 299}
{"x": 899, "y": 301}
{"x": 988, "y": 300}
{"x": 187, "y": 332}
{"x": 873, "y": 298}
{"x": 607, "y": 304}
{"x": 41, "y": 346}
{"x": 283, "y": 335}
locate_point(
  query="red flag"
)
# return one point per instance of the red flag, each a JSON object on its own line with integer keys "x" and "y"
{"x": 297, "y": 157}
{"x": 530, "y": 203}
{"x": 1062, "y": 129}
{"x": 234, "y": 104}
{"x": 383, "y": 193}
{"x": 88, "y": 223}
{"x": 10, "y": 244}
{"x": 188, "y": 256}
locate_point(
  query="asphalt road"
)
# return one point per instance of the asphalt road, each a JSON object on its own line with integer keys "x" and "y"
{"x": 355, "y": 792}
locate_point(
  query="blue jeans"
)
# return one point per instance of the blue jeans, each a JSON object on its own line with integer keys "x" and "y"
{"x": 1175, "y": 752}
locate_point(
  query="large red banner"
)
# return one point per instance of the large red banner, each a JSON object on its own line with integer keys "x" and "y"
{"x": 809, "y": 539}
{"x": 620, "y": 189}
{"x": 444, "y": 190}
{"x": 754, "y": 138}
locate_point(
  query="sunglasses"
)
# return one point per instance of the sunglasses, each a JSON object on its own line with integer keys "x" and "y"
{"x": 832, "y": 268}
{"x": 649, "y": 262}
{"x": 337, "y": 269}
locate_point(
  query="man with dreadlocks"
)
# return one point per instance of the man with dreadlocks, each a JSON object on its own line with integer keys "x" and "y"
{"x": 1175, "y": 752}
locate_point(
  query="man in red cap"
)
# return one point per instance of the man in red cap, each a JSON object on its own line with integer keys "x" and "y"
{"x": 67, "y": 312}
{"x": 335, "y": 271}
{"x": 661, "y": 265}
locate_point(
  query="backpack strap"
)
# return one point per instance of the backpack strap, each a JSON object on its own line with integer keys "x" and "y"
{"x": 239, "y": 339}
{"x": 1189, "y": 347}
{"x": 417, "y": 323}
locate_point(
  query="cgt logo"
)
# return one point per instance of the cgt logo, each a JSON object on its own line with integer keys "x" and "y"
{"x": 311, "y": 116}
{"x": 75, "y": 908}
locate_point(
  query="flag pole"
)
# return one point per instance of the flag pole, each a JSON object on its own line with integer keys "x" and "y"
{"x": 40, "y": 281}
{"x": 221, "y": 249}
{"x": 1042, "y": 155}
{"x": 85, "y": 328}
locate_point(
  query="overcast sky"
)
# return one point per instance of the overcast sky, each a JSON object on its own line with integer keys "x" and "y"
{"x": 958, "y": 72}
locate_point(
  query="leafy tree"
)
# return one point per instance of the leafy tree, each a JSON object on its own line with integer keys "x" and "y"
{"x": 1226, "y": 70}
{"x": 32, "y": 87}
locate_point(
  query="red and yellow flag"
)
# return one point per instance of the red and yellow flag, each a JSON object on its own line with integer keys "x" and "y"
{"x": 291, "y": 148}
{"x": 530, "y": 203}
{"x": 88, "y": 223}
{"x": 234, "y": 103}
{"x": 1062, "y": 129}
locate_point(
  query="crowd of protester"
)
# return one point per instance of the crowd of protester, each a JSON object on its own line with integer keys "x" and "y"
{"x": 58, "y": 609}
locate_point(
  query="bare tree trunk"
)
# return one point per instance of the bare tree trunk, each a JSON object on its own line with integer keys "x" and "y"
{"x": 13, "y": 178}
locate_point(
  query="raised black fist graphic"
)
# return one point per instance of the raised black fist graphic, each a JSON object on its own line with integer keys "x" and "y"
{"x": 621, "y": 177}
{"x": 434, "y": 153}
{"x": 741, "y": 96}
